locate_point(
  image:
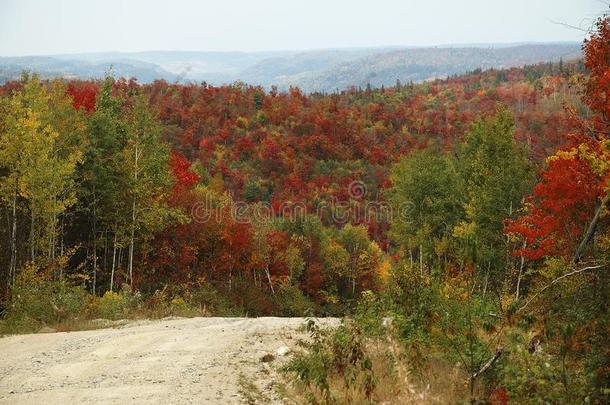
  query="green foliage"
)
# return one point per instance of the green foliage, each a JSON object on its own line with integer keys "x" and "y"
{"x": 335, "y": 354}
{"x": 37, "y": 162}
{"x": 290, "y": 301}
{"x": 212, "y": 301}
{"x": 412, "y": 301}
{"x": 37, "y": 301}
{"x": 351, "y": 261}
{"x": 536, "y": 376}
{"x": 426, "y": 201}
{"x": 495, "y": 175}
{"x": 453, "y": 208}
{"x": 370, "y": 314}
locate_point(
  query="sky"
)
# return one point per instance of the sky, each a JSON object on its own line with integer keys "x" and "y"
{"x": 44, "y": 27}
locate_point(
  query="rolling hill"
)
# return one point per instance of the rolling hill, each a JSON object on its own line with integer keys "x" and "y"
{"x": 318, "y": 70}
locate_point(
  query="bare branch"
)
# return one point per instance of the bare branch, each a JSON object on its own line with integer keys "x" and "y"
{"x": 558, "y": 279}
{"x": 573, "y": 27}
{"x": 591, "y": 229}
{"x": 489, "y": 363}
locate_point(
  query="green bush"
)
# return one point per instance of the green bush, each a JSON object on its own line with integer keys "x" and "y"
{"x": 178, "y": 306}
{"x": 290, "y": 301}
{"x": 209, "y": 300}
{"x": 37, "y": 301}
{"x": 159, "y": 305}
{"x": 370, "y": 312}
{"x": 331, "y": 356}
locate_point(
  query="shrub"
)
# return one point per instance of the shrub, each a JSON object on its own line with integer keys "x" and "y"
{"x": 537, "y": 376}
{"x": 370, "y": 313}
{"x": 290, "y": 301}
{"x": 178, "y": 306}
{"x": 250, "y": 301}
{"x": 210, "y": 301}
{"x": 37, "y": 300}
{"x": 334, "y": 356}
{"x": 117, "y": 305}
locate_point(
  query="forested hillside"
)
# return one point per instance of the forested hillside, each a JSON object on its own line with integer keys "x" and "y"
{"x": 471, "y": 210}
{"x": 236, "y": 144}
{"x": 325, "y": 70}
{"x": 417, "y": 64}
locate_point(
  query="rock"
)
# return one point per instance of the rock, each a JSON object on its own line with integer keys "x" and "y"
{"x": 387, "y": 322}
{"x": 267, "y": 357}
{"x": 282, "y": 351}
{"x": 46, "y": 329}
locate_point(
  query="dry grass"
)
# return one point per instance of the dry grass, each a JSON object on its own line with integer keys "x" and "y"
{"x": 436, "y": 383}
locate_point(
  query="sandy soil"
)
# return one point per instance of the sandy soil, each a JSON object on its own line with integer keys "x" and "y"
{"x": 199, "y": 360}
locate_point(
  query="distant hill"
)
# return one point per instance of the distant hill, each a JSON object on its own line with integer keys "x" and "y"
{"x": 421, "y": 64}
{"x": 48, "y": 67}
{"x": 319, "y": 70}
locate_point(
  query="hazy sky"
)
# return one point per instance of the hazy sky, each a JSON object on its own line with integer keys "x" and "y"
{"x": 65, "y": 26}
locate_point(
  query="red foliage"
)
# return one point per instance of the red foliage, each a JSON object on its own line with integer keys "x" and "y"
{"x": 564, "y": 201}
{"x": 83, "y": 95}
{"x": 499, "y": 397}
{"x": 562, "y": 204}
{"x": 597, "y": 60}
{"x": 181, "y": 170}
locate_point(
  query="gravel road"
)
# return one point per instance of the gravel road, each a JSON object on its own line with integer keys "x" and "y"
{"x": 198, "y": 360}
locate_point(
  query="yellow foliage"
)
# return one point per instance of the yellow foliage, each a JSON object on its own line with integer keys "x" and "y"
{"x": 506, "y": 300}
{"x": 464, "y": 230}
{"x": 600, "y": 164}
{"x": 384, "y": 271}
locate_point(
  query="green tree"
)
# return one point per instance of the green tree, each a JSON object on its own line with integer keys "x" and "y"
{"x": 426, "y": 202}
{"x": 145, "y": 164}
{"x": 495, "y": 175}
{"x": 102, "y": 181}
{"x": 336, "y": 262}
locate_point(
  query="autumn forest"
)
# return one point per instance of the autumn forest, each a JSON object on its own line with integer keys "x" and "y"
{"x": 471, "y": 210}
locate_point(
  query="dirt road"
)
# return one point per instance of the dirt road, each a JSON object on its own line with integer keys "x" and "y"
{"x": 199, "y": 360}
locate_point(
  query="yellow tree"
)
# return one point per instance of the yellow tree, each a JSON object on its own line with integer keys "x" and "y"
{"x": 39, "y": 177}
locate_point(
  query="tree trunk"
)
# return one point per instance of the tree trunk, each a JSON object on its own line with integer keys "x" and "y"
{"x": 131, "y": 241}
{"x": 133, "y": 217}
{"x": 106, "y": 251}
{"x": 113, "y": 261}
{"x": 230, "y": 273}
{"x": 94, "y": 244}
{"x": 421, "y": 261}
{"x": 411, "y": 257}
{"x": 486, "y": 278}
{"x": 13, "y": 266}
{"x": 61, "y": 236}
{"x": 269, "y": 279}
{"x": 591, "y": 229}
{"x": 486, "y": 366}
{"x": 521, "y": 265}
{"x": 51, "y": 251}
{"x": 32, "y": 232}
